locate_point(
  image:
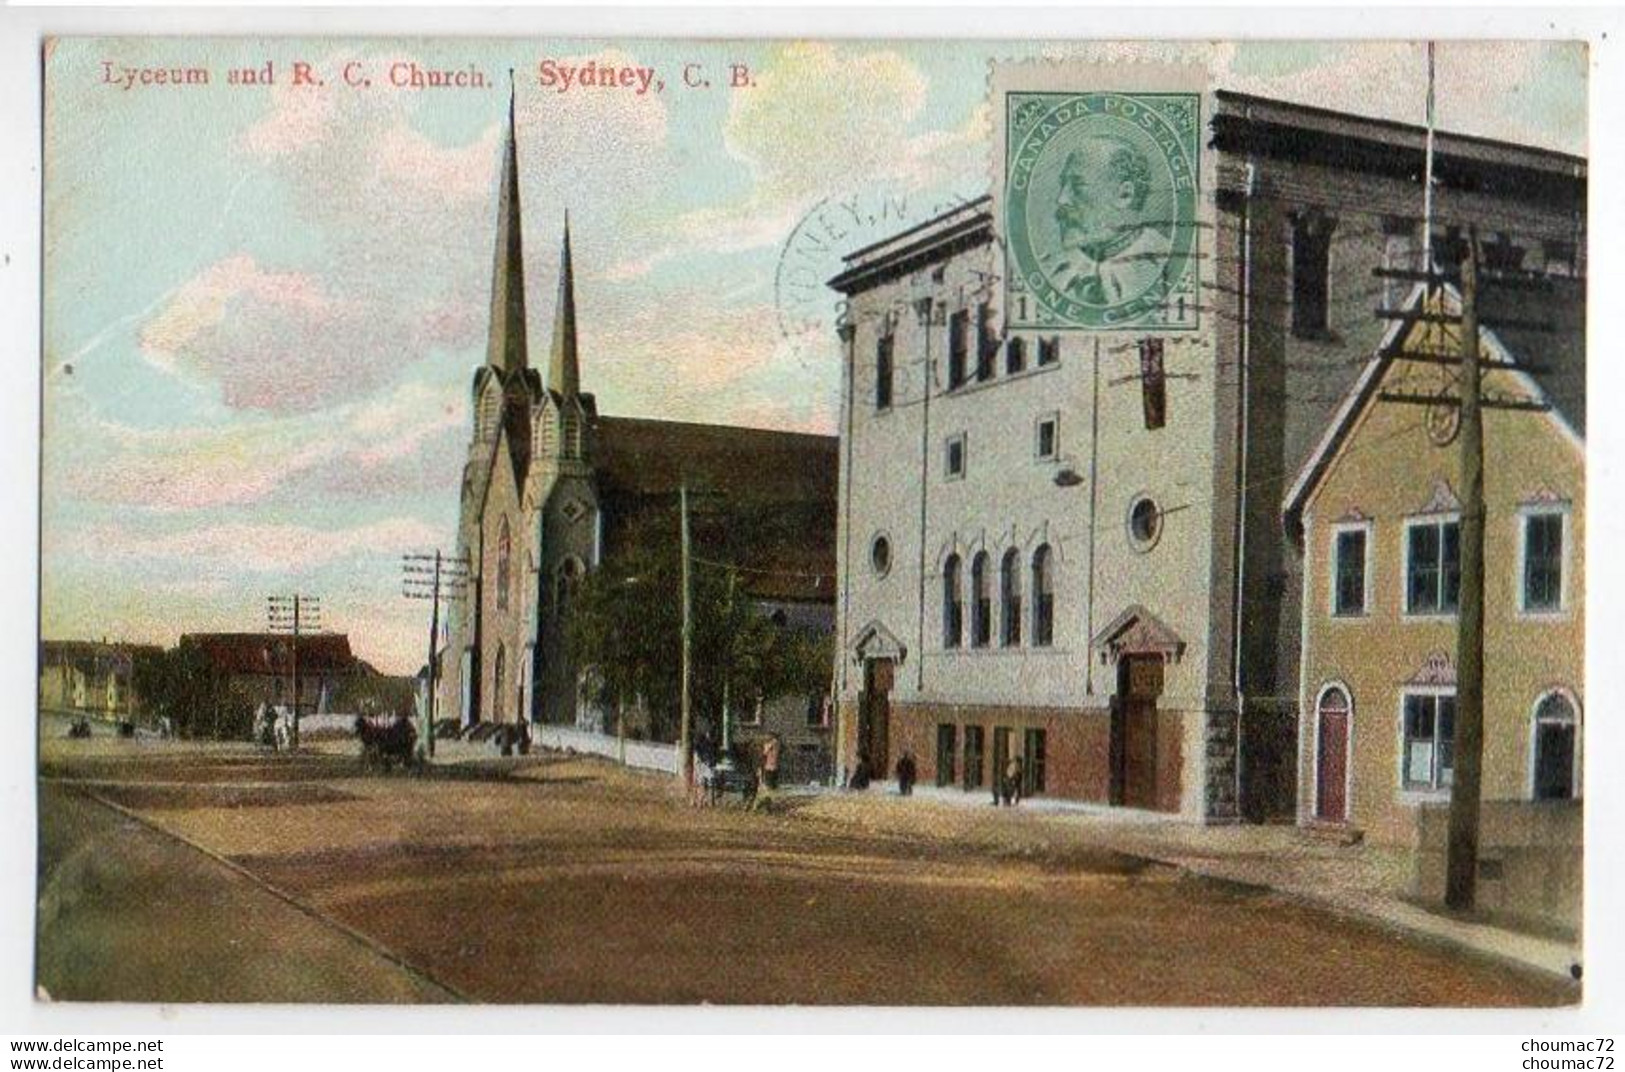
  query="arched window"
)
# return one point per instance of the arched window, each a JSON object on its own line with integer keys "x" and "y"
{"x": 1043, "y": 597}
{"x": 1556, "y": 736}
{"x": 1010, "y": 597}
{"x": 499, "y": 679}
{"x": 981, "y": 614}
{"x": 953, "y": 607}
{"x": 490, "y": 408}
{"x": 564, "y": 590}
{"x": 504, "y": 555}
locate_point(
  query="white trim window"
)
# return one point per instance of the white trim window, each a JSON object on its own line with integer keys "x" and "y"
{"x": 1543, "y": 552}
{"x": 1433, "y": 566}
{"x": 1428, "y": 741}
{"x": 1351, "y": 570}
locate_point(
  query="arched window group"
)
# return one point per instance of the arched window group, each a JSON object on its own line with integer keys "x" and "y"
{"x": 1012, "y": 605}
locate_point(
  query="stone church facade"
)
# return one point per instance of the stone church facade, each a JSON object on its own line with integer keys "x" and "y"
{"x": 551, "y": 489}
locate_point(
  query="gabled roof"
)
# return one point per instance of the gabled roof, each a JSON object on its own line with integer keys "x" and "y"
{"x": 1548, "y": 365}
{"x": 269, "y": 653}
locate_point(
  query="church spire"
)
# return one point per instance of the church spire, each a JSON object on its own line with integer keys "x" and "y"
{"x": 505, "y": 348}
{"x": 563, "y": 375}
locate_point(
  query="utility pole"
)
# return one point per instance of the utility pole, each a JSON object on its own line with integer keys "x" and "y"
{"x": 685, "y": 733}
{"x": 296, "y": 614}
{"x": 725, "y": 760}
{"x": 1461, "y": 861}
{"x": 433, "y": 577}
{"x": 1466, "y": 790}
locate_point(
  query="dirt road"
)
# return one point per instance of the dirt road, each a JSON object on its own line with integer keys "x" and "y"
{"x": 570, "y": 880}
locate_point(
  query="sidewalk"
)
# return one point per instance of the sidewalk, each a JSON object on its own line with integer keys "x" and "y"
{"x": 1366, "y": 881}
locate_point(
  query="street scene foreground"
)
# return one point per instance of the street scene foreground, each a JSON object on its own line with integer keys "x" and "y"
{"x": 177, "y": 872}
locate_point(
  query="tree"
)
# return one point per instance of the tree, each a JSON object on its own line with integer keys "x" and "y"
{"x": 183, "y": 685}
{"x": 625, "y": 630}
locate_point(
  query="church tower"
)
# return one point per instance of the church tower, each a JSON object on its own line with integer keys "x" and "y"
{"x": 484, "y": 673}
{"x": 567, "y": 498}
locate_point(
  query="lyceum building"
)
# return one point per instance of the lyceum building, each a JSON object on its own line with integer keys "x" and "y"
{"x": 1066, "y": 545}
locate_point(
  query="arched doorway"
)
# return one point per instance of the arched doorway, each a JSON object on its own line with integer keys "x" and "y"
{"x": 1555, "y": 763}
{"x": 499, "y": 677}
{"x": 1333, "y": 715}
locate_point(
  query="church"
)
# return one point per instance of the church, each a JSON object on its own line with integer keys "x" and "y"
{"x": 552, "y": 490}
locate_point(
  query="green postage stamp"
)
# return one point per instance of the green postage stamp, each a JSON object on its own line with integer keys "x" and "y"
{"x": 1099, "y": 209}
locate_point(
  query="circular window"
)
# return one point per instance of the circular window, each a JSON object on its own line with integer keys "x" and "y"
{"x": 880, "y": 555}
{"x": 1144, "y": 523}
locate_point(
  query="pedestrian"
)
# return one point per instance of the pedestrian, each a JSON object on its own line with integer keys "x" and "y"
{"x": 1012, "y": 781}
{"x": 860, "y": 773}
{"x": 770, "y": 761}
{"x": 906, "y": 772}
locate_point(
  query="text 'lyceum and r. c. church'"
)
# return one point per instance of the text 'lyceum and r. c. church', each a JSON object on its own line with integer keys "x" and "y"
{"x": 551, "y": 75}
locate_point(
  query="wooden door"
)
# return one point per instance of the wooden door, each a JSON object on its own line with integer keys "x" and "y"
{"x": 874, "y": 716}
{"x": 1134, "y": 750}
{"x": 1332, "y": 795}
{"x": 1331, "y": 757}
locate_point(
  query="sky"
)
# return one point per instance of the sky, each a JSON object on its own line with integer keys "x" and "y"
{"x": 264, "y": 304}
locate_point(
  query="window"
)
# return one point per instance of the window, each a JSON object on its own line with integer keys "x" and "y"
{"x": 974, "y": 746}
{"x": 883, "y": 371}
{"x": 1047, "y": 436}
{"x": 504, "y": 554}
{"x": 1430, "y": 742}
{"x": 1032, "y": 767}
{"x": 1432, "y": 567}
{"x": 564, "y": 589}
{"x": 947, "y": 744}
{"x": 958, "y": 348}
{"x": 1311, "y": 273}
{"x": 1348, "y": 572}
{"x": 1049, "y": 351}
{"x": 880, "y": 555}
{"x": 1010, "y": 598}
{"x": 981, "y": 615}
{"x": 1554, "y": 758}
{"x": 1144, "y": 523}
{"x": 987, "y": 343}
{"x": 499, "y": 678}
{"x": 817, "y": 712}
{"x": 1015, "y": 356}
{"x": 752, "y": 714}
{"x": 956, "y": 456}
{"x": 953, "y": 607}
{"x": 1043, "y": 598}
{"x": 1153, "y": 384}
{"x": 1542, "y": 563}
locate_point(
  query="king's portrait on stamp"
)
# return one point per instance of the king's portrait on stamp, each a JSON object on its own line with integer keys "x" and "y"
{"x": 1100, "y": 206}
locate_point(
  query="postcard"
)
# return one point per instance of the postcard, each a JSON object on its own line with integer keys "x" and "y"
{"x": 812, "y": 522}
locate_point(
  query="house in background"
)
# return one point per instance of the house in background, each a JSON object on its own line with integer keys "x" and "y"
{"x": 1376, "y": 509}
{"x": 1068, "y": 546}
{"x": 91, "y": 677}
{"x": 258, "y": 668}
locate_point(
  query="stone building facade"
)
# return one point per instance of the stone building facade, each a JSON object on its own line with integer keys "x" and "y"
{"x": 1069, "y": 547}
{"x": 553, "y": 490}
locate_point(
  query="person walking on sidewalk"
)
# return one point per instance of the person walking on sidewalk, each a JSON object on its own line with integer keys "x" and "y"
{"x": 906, "y": 773}
{"x": 1010, "y": 786}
